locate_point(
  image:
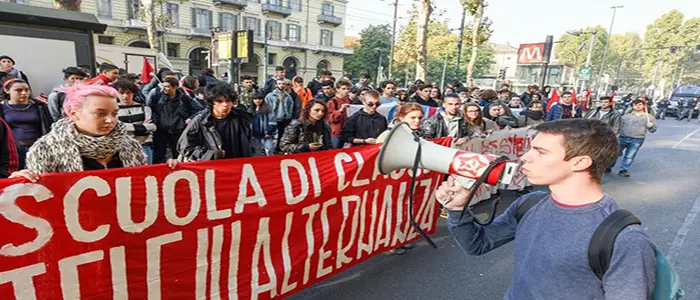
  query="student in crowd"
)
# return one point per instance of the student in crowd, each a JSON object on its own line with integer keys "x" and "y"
{"x": 7, "y": 65}
{"x": 108, "y": 74}
{"x": 282, "y": 105}
{"x": 327, "y": 91}
{"x": 606, "y": 113}
{"x": 515, "y": 102}
{"x": 633, "y": 131}
{"x": 246, "y": 91}
{"x": 500, "y": 114}
{"x": 289, "y": 88}
{"x": 504, "y": 96}
{"x": 477, "y": 125}
{"x": 564, "y": 109}
{"x": 410, "y": 113}
{"x": 388, "y": 89}
{"x": 337, "y": 111}
{"x": 172, "y": 110}
{"x": 200, "y": 98}
{"x": 310, "y": 132}
{"x": 315, "y": 85}
{"x": 422, "y": 96}
{"x": 71, "y": 77}
{"x": 533, "y": 115}
{"x": 448, "y": 122}
{"x": 29, "y": 119}
{"x": 219, "y": 132}
{"x": 552, "y": 238}
{"x": 135, "y": 116}
{"x": 364, "y": 126}
{"x": 270, "y": 84}
{"x": 154, "y": 90}
{"x": 207, "y": 77}
{"x": 436, "y": 95}
{"x": 264, "y": 127}
{"x": 189, "y": 84}
{"x": 89, "y": 138}
{"x": 402, "y": 96}
{"x": 305, "y": 94}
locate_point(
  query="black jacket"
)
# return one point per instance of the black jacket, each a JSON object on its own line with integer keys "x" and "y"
{"x": 429, "y": 102}
{"x": 435, "y": 127}
{"x": 315, "y": 87}
{"x": 170, "y": 116}
{"x": 297, "y": 136}
{"x": 362, "y": 125}
{"x": 297, "y": 104}
{"x": 201, "y": 140}
{"x": 9, "y": 159}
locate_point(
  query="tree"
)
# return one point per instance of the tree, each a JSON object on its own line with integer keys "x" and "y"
{"x": 424, "y": 11}
{"x": 374, "y": 43}
{"x": 476, "y": 8}
{"x": 624, "y": 60}
{"x": 72, "y": 5}
{"x": 574, "y": 49}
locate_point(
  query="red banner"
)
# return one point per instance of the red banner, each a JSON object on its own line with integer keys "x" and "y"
{"x": 256, "y": 228}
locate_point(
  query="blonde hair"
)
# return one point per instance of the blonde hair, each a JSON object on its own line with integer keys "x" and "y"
{"x": 406, "y": 108}
{"x": 76, "y": 95}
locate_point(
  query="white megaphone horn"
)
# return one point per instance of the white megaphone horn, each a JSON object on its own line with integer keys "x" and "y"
{"x": 400, "y": 146}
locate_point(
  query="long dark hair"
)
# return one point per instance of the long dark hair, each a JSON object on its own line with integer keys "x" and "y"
{"x": 306, "y": 112}
{"x": 6, "y": 84}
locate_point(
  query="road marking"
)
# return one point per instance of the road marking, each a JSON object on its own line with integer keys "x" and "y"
{"x": 345, "y": 279}
{"x": 685, "y": 138}
{"x": 683, "y": 231}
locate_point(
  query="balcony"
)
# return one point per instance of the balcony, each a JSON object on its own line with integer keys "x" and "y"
{"x": 332, "y": 20}
{"x": 198, "y": 32}
{"x": 240, "y": 4}
{"x": 276, "y": 9}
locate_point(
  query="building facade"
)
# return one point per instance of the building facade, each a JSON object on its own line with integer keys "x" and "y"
{"x": 505, "y": 58}
{"x": 303, "y": 36}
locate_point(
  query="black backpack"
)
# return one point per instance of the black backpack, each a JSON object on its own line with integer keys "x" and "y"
{"x": 600, "y": 248}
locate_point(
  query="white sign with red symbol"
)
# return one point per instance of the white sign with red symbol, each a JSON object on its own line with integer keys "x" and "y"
{"x": 470, "y": 165}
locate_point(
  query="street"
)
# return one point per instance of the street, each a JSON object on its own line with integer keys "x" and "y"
{"x": 662, "y": 191}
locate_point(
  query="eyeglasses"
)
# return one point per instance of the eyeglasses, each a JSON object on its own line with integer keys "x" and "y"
{"x": 373, "y": 104}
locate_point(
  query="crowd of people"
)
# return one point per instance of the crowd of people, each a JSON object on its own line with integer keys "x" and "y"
{"x": 198, "y": 118}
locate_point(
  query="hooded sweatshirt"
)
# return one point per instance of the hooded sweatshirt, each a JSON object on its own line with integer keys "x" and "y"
{"x": 304, "y": 93}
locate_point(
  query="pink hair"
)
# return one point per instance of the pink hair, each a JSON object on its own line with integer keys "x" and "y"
{"x": 76, "y": 95}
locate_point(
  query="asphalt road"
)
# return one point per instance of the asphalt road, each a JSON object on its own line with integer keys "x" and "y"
{"x": 663, "y": 192}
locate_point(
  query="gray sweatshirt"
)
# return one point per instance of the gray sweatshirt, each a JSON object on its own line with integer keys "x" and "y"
{"x": 635, "y": 125}
{"x": 551, "y": 251}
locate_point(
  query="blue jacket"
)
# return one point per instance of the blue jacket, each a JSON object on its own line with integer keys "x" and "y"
{"x": 555, "y": 112}
{"x": 264, "y": 123}
{"x": 287, "y": 111}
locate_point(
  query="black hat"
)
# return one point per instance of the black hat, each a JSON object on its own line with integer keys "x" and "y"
{"x": 7, "y": 57}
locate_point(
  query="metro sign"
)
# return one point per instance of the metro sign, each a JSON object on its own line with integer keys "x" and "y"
{"x": 531, "y": 53}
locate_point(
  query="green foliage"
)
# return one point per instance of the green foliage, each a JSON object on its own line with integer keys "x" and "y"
{"x": 374, "y": 41}
{"x": 574, "y": 49}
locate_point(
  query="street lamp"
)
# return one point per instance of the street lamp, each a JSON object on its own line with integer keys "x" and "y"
{"x": 379, "y": 66}
{"x": 593, "y": 34}
{"x": 607, "y": 43}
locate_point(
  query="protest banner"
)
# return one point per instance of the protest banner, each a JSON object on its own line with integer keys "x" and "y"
{"x": 512, "y": 143}
{"x": 257, "y": 228}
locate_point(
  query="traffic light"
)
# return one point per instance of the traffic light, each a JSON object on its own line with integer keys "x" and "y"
{"x": 673, "y": 49}
{"x": 697, "y": 48}
{"x": 502, "y": 74}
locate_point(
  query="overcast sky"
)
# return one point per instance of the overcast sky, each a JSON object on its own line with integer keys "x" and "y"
{"x": 529, "y": 21}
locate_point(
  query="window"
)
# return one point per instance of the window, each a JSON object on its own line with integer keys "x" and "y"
{"x": 19, "y": 1}
{"x": 173, "y": 50}
{"x": 104, "y": 8}
{"x": 107, "y": 40}
{"x": 293, "y": 33}
{"x": 201, "y": 18}
{"x": 251, "y": 23}
{"x": 271, "y": 58}
{"x": 275, "y": 2}
{"x": 134, "y": 9}
{"x": 254, "y": 1}
{"x": 326, "y": 37}
{"x": 274, "y": 30}
{"x": 295, "y": 5}
{"x": 228, "y": 21}
{"x": 173, "y": 10}
{"x": 327, "y": 9}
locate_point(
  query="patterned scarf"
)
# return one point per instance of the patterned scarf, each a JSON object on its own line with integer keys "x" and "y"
{"x": 62, "y": 148}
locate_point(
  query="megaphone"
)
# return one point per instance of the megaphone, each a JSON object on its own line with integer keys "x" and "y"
{"x": 400, "y": 146}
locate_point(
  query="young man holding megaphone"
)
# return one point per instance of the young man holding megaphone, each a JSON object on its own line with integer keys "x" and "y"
{"x": 553, "y": 237}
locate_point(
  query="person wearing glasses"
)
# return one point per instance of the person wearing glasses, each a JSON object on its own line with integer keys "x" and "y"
{"x": 477, "y": 125}
{"x": 448, "y": 122}
{"x": 364, "y": 126}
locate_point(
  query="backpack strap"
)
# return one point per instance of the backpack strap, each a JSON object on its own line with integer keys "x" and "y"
{"x": 600, "y": 249}
{"x": 527, "y": 205}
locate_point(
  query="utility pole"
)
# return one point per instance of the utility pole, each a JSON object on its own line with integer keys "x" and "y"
{"x": 266, "y": 55}
{"x": 379, "y": 67}
{"x": 459, "y": 42}
{"x": 607, "y": 43}
{"x": 393, "y": 37}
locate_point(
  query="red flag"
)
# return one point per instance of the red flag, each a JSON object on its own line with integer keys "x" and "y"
{"x": 553, "y": 99}
{"x": 146, "y": 71}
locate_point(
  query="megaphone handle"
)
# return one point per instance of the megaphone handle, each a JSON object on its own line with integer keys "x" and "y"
{"x": 475, "y": 187}
{"x": 415, "y": 224}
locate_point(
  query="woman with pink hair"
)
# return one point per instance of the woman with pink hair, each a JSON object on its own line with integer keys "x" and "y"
{"x": 89, "y": 138}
